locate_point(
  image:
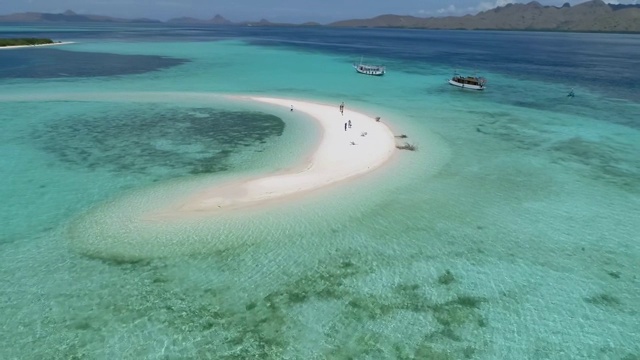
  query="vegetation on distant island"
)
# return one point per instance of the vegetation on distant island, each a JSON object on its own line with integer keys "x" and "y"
{"x": 24, "y": 41}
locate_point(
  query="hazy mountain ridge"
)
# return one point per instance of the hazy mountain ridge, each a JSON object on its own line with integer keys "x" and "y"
{"x": 594, "y": 15}
{"x": 69, "y": 16}
{"x": 216, "y": 20}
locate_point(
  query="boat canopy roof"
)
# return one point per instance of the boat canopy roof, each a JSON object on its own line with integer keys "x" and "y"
{"x": 468, "y": 79}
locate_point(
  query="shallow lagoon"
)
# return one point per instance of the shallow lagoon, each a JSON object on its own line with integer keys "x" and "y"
{"x": 510, "y": 233}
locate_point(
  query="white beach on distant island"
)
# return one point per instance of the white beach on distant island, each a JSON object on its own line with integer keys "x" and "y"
{"x": 341, "y": 154}
{"x": 35, "y": 46}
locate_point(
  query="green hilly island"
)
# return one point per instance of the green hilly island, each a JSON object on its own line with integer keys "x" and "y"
{"x": 24, "y": 41}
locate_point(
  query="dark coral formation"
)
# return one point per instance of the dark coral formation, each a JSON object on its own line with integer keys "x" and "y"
{"x": 149, "y": 139}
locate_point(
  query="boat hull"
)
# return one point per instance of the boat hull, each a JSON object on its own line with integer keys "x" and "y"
{"x": 369, "y": 70}
{"x": 466, "y": 86}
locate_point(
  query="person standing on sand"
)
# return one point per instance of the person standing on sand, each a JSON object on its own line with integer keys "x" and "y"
{"x": 342, "y": 108}
{"x": 349, "y": 124}
{"x": 345, "y": 126}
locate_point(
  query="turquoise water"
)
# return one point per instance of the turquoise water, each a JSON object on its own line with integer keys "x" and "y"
{"x": 511, "y": 233}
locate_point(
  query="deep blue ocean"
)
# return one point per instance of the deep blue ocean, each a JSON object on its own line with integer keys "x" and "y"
{"x": 607, "y": 63}
{"x": 511, "y": 233}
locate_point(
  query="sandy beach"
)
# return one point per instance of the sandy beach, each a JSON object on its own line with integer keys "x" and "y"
{"x": 341, "y": 154}
{"x": 34, "y": 46}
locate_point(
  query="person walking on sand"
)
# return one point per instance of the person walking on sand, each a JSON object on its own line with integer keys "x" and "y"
{"x": 342, "y": 108}
{"x": 349, "y": 124}
{"x": 345, "y": 126}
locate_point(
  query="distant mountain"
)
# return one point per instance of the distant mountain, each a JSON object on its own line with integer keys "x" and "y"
{"x": 216, "y": 20}
{"x": 623, "y": 6}
{"x": 265, "y": 23}
{"x": 68, "y": 16}
{"x": 594, "y": 15}
{"x": 262, "y": 22}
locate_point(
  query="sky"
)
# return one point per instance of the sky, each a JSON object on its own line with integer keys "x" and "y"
{"x": 293, "y": 11}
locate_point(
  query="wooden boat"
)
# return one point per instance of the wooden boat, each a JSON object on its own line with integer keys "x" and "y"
{"x": 468, "y": 82}
{"x": 375, "y": 70}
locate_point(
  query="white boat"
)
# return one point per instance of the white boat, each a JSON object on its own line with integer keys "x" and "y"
{"x": 468, "y": 82}
{"x": 376, "y": 70}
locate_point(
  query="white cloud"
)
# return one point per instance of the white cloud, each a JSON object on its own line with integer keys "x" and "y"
{"x": 488, "y": 6}
{"x": 451, "y": 9}
{"x": 483, "y": 6}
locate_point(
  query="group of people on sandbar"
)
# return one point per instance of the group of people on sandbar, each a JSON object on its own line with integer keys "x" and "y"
{"x": 347, "y": 124}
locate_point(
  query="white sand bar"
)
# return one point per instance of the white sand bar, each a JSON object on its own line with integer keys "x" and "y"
{"x": 340, "y": 155}
{"x": 33, "y": 46}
